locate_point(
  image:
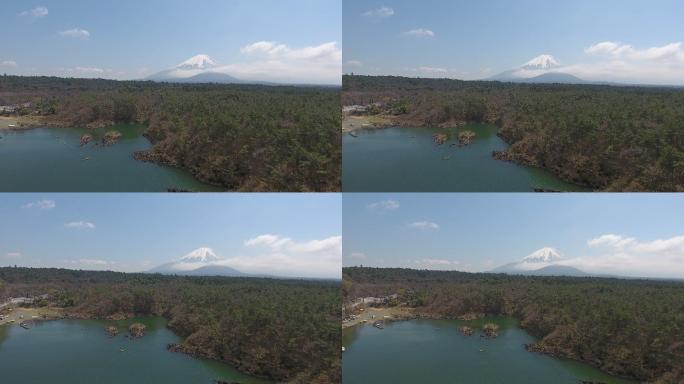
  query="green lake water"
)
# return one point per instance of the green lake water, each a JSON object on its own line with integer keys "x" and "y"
{"x": 434, "y": 351}
{"x": 79, "y": 351}
{"x": 407, "y": 160}
{"x": 52, "y": 160}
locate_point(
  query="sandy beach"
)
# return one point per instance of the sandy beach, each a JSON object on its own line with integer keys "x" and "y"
{"x": 17, "y": 315}
{"x": 371, "y": 314}
{"x": 20, "y": 122}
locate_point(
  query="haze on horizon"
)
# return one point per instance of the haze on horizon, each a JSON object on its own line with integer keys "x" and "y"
{"x": 630, "y": 235}
{"x": 253, "y": 233}
{"x": 631, "y": 42}
{"x": 298, "y": 42}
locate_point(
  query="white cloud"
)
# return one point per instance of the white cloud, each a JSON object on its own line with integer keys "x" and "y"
{"x": 36, "y": 12}
{"x": 40, "y": 204}
{"x": 610, "y": 240}
{"x": 424, "y": 225}
{"x": 627, "y": 256}
{"x": 80, "y": 225}
{"x": 275, "y": 50}
{"x": 357, "y": 255}
{"x": 91, "y": 263}
{"x": 277, "y": 62}
{"x": 76, "y": 33}
{"x": 672, "y": 51}
{"x": 354, "y": 63}
{"x": 89, "y": 70}
{"x": 618, "y": 62}
{"x": 8, "y": 63}
{"x": 436, "y": 264}
{"x": 14, "y": 255}
{"x": 385, "y": 205}
{"x": 283, "y": 256}
{"x": 420, "y": 32}
{"x": 381, "y": 13}
{"x": 432, "y": 70}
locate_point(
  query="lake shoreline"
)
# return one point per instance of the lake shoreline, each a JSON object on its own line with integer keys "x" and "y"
{"x": 151, "y": 155}
{"x": 63, "y": 314}
{"x": 503, "y": 155}
{"x": 414, "y": 314}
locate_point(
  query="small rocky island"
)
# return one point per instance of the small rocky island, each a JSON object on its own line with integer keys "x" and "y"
{"x": 111, "y": 138}
{"x": 466, "y": 138}
{"x": 490, "y": 330}
{"x": 111, "y": 330}
{"x": 465, "y": 330}
{"x": 137, "y": 330}
{"x": 85, "y": 139}
{"x": 440, "y": 138}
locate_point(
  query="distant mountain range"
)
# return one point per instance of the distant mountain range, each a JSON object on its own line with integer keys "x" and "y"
{"x": 543, "y": 69}
{"x": 200, "y": 262}
{"x": 543, "y": 262}
{"x": 199, "y": 69}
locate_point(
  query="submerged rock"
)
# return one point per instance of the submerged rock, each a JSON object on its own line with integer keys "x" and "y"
{"x": 137, "y": 330}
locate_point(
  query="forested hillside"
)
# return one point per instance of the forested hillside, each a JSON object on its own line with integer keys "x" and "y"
{"x": 241, "y": 137}
{"x": 614, "y": 138}
{"x": 632, "y": 328}
{"x": 287, "y": 330}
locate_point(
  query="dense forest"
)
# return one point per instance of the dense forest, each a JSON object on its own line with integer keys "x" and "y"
{"x": 287, "y": 330}
{"x": 613, "y": 138}
{"x": 241, "y": 137}
{"x": 631, "y": 328}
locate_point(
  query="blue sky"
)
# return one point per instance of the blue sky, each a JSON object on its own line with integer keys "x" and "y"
{"x": 135, "y": 232}
{"x": 477, "y": 39}
{"x": 625, "y": 234}
{"x": 129, "y": 39}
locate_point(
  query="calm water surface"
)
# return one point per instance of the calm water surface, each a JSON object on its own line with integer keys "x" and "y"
{"x": 407, "y": 160}
{"x": 79, "y": 351}
{"x": 434, "y": 351}
{"x": 52, "y": 160}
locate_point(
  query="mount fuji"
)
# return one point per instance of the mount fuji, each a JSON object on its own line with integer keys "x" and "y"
{"x": 541, "y": 69}
{"x": 200, "y": 262}
{"x": 543, "y": 262}
{"x": 197, "y": 69}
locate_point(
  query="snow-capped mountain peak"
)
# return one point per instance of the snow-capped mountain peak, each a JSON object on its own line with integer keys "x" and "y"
{"x": 544, "y": 255}
{"x": 541, "y": 62}
{"x": 200, "y": 255}
{"x": 197, "y": 62}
